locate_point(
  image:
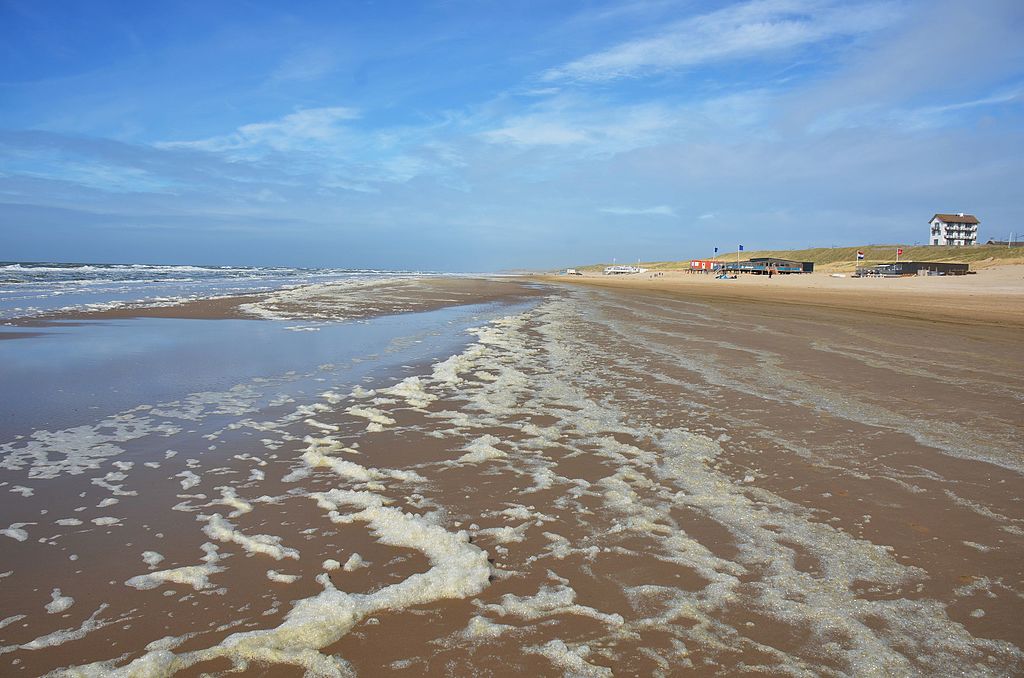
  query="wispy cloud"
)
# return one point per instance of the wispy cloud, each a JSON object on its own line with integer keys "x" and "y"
{"x": 739, "y": 31}
{"x": 592, "y": 126}
{"x": 295, "y": 130}
{"x": 659, "y": 210}
{"x": 913, "y": 118}
{"x": 322, "y": 145}
{"x": 309, "y": 63}
{"x": 574, "y": 127}
{"x": 913, "y": 65}
{"x": 534, "y": 130}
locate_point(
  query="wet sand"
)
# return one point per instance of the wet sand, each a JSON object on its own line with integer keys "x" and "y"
{"x": 608, "y": 482}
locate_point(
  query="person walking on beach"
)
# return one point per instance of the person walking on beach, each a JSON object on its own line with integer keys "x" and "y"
{"x": 771, "y": 271}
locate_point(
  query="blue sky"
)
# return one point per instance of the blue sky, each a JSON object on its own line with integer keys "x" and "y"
{"x": 479, "y": 135}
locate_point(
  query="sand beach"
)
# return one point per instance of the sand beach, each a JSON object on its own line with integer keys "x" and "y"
{"x": 295, "y": 380}
{"x": 991, "y": 295}
{"x": 539, "y": 476}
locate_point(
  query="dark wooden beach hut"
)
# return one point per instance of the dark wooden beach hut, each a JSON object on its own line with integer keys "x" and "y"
{"x": 901, "y": 268}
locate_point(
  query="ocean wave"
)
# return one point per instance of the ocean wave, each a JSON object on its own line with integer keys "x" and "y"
{"x": 46, "y": 287}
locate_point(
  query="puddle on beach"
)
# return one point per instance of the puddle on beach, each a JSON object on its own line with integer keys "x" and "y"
{"x": 71, "y": 373}
{"x": 577, "y": 486}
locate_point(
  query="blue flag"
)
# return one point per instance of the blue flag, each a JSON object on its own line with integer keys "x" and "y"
{"x": 741, "y": 248}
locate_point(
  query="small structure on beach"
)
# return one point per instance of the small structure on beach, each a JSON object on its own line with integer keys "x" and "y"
{"x": 897, "y": 269}
{"x": 761, "y": 266}
{"x": 954, "y": 229}
{"x": 705, "y": 265}
{"x": 623, "y": 270}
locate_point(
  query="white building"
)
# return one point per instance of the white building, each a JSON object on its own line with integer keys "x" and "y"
{"x": 954, "y": 229}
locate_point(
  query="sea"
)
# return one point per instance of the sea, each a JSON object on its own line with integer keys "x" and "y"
{"x": 36, "y": 288}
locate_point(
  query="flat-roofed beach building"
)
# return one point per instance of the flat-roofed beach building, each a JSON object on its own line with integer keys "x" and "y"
{"x": 954, "y": 229}
{"x": 761, "y": 265}
{"x": 904, "y": 268}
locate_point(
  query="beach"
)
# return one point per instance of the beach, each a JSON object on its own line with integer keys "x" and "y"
{"x": 993, "y": 295}
{"x": 541, "y": 475}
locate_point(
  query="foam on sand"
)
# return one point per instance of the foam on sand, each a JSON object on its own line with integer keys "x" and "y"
{"x": 670, "y": 469}
{"x": 411, "y": 390}
{"x": 319, "y": 454}
{"x": 188, "y": 479}
{"x": 274, "y": 575}
{"x": 16, "y": 531}
{"x": 458, "y": 570}
{"x": 67, "y": 635}
{"x": 104, "y": 521}
{"x": 482, "y": 628}
{"x": 229, "y": 497}
{"x": 49, "y": 454}
{"x": 480, "y": 450}
{"x": 7, "y": 621}
{"x": 548, "y": 601}
{"x": 220, "y": 529}
{"x": 571, "y": 661}
{"x": 378, "y": 420}
{"x": 196, "y": 576}
{"x": 58, "y": 602}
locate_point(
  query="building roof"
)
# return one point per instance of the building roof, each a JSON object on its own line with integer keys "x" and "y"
{"x": 775, "y": 260}
{"x": 957, "y": 218}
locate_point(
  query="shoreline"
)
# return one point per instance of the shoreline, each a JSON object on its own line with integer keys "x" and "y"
{"x": 312, "y": 302}
{"x": 992, "y": 297}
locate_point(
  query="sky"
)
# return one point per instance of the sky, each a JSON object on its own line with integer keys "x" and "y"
{"x": 478, "y": 135}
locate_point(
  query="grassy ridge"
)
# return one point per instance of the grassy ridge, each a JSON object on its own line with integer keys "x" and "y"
{"x": 845, "y": 258}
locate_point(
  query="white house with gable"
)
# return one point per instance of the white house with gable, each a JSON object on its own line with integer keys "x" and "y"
{"x": 954, "y": 229}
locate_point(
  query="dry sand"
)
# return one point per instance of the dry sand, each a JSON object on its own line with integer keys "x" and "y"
{"x": 991, "y": 296}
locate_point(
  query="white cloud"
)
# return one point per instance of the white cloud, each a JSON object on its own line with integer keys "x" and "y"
{"x": 592, "y": 126}
{"x": 740, "y": 31}
{"x": 660, "y": 210}
{"x": 534, "y": 130}
{"x": 571, "y": 127}
{"x": 319, "y": 145}
{"x": 912, "y": 118}
{"x": 295, "y": 130}
{"x": 941, "y": 51}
